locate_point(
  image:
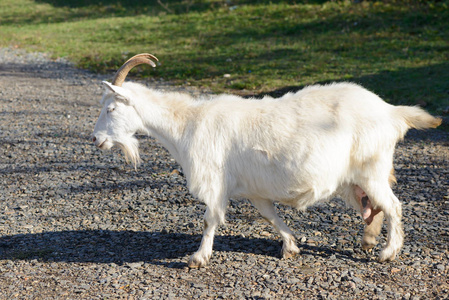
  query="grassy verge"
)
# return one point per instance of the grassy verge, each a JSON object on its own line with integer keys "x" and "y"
{"x": 399, "y": 49}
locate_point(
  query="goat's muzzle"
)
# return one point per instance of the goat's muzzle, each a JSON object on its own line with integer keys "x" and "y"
{"x": 98, "y": 142}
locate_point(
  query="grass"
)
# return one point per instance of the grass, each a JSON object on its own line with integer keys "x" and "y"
{"x": 397, "y": 48}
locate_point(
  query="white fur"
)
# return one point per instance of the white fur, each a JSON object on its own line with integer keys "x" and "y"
{"x": 298, "y": 149}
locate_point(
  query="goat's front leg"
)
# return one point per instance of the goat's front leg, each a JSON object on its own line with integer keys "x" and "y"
{"x": 201, "y": 257}
{"x": 266, "y": 209}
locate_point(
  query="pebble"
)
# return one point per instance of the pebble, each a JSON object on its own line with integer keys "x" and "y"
{"x": 78, "y": 223}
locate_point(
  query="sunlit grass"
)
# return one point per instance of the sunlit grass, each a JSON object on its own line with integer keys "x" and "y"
{"x": 399, "y": 49}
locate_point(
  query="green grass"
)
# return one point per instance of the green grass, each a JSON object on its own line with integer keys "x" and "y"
{"x": 397, "y": 48}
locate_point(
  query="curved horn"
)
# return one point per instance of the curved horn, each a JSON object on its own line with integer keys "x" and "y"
{"x": 138, "y": 59}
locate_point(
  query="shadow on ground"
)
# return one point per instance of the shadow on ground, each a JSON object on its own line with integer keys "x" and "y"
{"x": 120, "y": 247}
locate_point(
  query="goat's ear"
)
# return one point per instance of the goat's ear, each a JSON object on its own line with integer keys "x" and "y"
{"x": 121, "y": 94}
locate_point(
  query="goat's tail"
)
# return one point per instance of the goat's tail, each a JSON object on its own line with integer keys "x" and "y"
{"x": 416, "y": 117}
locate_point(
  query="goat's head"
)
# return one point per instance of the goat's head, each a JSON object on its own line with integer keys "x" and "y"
{"x": 119, "y": 120}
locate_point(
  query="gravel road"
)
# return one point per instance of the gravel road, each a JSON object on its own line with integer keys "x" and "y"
{"x": 77, "y": 223}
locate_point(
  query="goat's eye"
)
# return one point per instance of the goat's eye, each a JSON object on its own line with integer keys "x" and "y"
{"x": 111, "y": 109}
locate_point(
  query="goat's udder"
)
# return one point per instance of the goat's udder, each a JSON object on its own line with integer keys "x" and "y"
{"x": 366, "y": 207}
{"x": 368, "y": 212}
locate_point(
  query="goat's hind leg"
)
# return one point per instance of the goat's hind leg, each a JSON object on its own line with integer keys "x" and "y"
{"x": 382, "y": 197}
{"x": 373, "y": 218}
{"x": 267, "y": 210}
{"x": 372, "y": 231}
{"x": 395, "y": 238}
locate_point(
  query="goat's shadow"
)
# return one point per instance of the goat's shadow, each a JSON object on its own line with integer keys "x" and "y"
{"x": 120, "y": 247}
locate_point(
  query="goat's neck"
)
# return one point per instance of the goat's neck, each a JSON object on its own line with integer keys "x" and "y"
{"x": 165, "y": 117}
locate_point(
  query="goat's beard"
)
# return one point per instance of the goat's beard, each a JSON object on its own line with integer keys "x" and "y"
{"x": 130, "y": 149}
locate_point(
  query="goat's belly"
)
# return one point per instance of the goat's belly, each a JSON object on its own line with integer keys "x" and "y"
{"x": 298, "y": 196}
{"x": 301, "y": 200}
{"x": 299, "y": 182}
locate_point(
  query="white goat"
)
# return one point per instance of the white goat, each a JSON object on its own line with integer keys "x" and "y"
{"x": 304, "y": 147}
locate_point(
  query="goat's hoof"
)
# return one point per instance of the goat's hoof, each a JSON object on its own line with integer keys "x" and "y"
{"x": 290, "y": 251}
{"x": 368, "y": 245}
{"x": 197, "y": 261}
{"x": 387, "y": 255}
